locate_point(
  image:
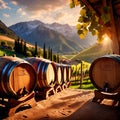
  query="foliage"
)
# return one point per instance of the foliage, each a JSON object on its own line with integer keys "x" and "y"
{"x": 54, "y": 58}
{"x": 89, "y": 21}
{"x": 44, "y": 51}
{"x": 76, "y": 68}
{"x": 49, "y": 53}
{"x": 6, "y": 44}
{"x": 1, "y": 53}
{"x": 9, "y": 53}
{"x": 36, "y": 49}
{"x": 76, "y": 76}
{"x": 51, "y": 58}
{"x": 29, "y": 54}
{"x": 3, "y": 43}
{"x": 24, "y": 48}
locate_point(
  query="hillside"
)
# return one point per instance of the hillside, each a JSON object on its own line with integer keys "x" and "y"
{"x": 6, "y": 34}
{"x": 6, "y": 38}
{"x": 93, "y": 52}
{"x": 4, "y": 30}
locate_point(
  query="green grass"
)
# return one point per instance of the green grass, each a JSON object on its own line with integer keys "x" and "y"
{"x": 86, "y": 84}
{"x": 1, "y": 53}
{"x": 9, "y": 53}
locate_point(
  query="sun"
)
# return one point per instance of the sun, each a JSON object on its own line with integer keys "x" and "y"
{"x": 106, "y": 39}
{"x": 106, "y": 42}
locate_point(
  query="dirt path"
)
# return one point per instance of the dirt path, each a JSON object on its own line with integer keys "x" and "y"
{"x": 70, "y": 104}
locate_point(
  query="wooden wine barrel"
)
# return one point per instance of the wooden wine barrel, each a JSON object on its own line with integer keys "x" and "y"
{"x": 46, "y": 71}
{"x": 17, "y": 77}
{"x": 64, "y": 72}
{"x": 69, "y": 72}
{"x": 105, "y": 73}
{"x": 59, "y": 77}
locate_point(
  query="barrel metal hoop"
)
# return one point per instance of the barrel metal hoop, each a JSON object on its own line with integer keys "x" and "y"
{"x": 7, "y": 77}
{"x": 114, "y": 57}
{"x": 44, "y": 68}
{"x": 39, "y": 66}
{"x": 38, "y": 71}
{"x": 2, "y": 77}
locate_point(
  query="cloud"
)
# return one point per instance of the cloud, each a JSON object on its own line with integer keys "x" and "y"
{"x": 48, "y": 11}
{"x": 36, "y": 5}
{"x": 14, "y": 2}
{"x": 58, "y": 15}
{"x": 6, "y": 15}
{"x": 4, "y": 5}
{"x": 21, "y": 11}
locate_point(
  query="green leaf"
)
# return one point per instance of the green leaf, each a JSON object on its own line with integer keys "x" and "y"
{"x": 82, "y": 36}
{"x": 78, "y": 26}
{"x": 83, "y": 12}
{"x": 106, "y": 9}
{"x": 72, "y": 5}
{"x": 80, "y": 19}
{"x": 105, "y": 18}
{"x": 80, "y": 32}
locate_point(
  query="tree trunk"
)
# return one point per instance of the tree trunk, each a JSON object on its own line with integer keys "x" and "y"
{"x": 114, "y": 25}
{"x": 117, "y": 24}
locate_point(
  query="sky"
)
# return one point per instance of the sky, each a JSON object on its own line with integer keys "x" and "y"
{"x": 47, "y": 11}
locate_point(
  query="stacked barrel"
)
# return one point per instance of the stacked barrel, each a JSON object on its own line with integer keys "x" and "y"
{"x": 19, "y": 77}
{"x": 49, "y": 73}
{"x": 45, "y": 71}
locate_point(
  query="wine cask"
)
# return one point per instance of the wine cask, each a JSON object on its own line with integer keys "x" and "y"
{"x": 17, "y": 77}
{"x": 105, "y": 73}
{"x": 46, "y": 71}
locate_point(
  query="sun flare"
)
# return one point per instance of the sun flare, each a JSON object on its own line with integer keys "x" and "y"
{"x": 107, "y": 42}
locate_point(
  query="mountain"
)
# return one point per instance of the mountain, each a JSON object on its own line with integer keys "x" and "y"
{"x": 61, "y": 38}
{"x": 4, "y": 30}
